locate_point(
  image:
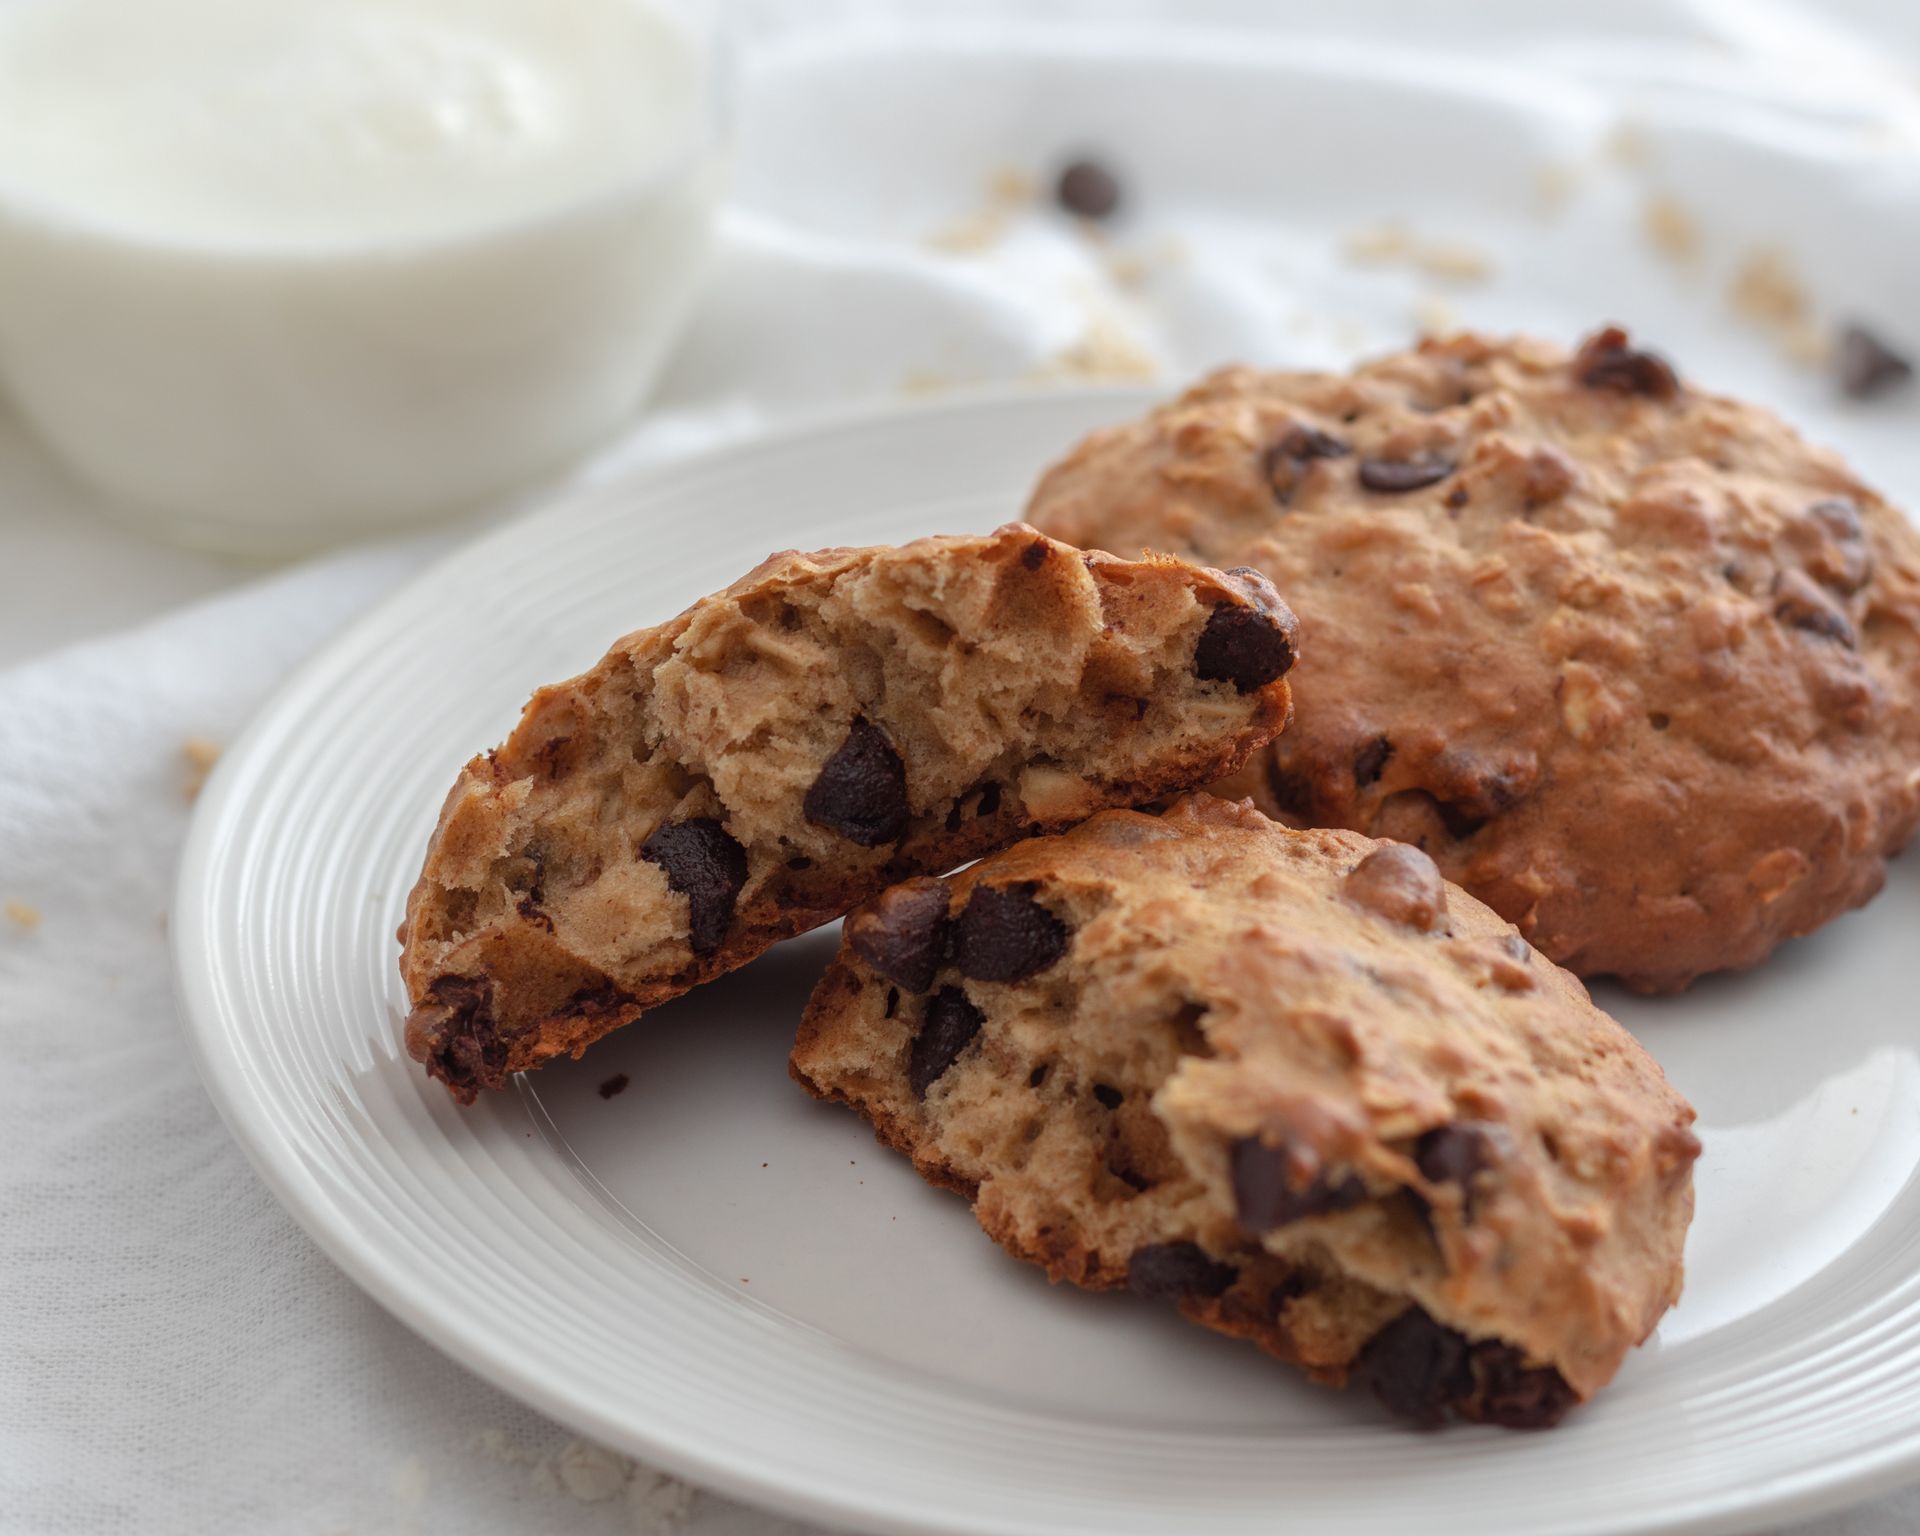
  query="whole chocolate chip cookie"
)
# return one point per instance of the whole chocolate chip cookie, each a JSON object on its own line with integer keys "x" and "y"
{"x": 1635, "y": 664}
{"x": 829, "y": 724}
{"x": 1292, "y": 1081}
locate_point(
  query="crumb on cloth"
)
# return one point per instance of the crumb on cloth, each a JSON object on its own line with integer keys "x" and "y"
{"x": 200, "y": 755}
{"x": 23, "y": 915}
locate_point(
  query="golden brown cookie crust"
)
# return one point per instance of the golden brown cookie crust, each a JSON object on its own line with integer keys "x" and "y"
{"x": 1332, "y": 1100}
{"x": 830, "y": 723}
{"x": 1637, "y": 665}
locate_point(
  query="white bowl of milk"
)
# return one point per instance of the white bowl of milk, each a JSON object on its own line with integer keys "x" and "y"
{"x": 275, "y": 273}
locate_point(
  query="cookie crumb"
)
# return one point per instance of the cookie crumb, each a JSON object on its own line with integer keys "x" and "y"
{"x": 1008, "y": 191}
{"x": 23, "y": 915}
{"x": 1127, "y": 269}
{"x": 1393, "y": 244}
{"x": 1670, "y": 230}
{"x": 200, "y": 755}
{"x": 616, "y": 1084}
{"x": 591, "y": 1473}
{"x": 1432, "y": 315}
{"x": 1105, "y": 352}
{"x": 1768, "y": 293}
{"x": 408, "y": 1482}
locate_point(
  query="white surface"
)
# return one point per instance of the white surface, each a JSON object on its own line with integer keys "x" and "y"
{"x": 711, "y": 1272}
{"x": 279, "y": 274}
{"x": 182, "y": 1358}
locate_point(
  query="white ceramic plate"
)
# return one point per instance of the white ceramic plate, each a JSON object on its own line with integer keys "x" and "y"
{"x": 713, "y": 1272}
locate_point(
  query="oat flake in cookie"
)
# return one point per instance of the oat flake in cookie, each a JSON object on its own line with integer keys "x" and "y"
{"x": 829, "y": 724}
{"x": 1291, "y": 1081}
{"x": 1634, "y": 663}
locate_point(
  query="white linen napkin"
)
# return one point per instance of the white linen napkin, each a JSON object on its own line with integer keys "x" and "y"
{"x": 175, "y": 1356}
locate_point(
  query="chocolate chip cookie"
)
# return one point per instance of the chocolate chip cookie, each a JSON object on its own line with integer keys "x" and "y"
{"x": 1291, "y": 1081}
{"x": 1635, "y": 664}
{"x": 828, "y": 725}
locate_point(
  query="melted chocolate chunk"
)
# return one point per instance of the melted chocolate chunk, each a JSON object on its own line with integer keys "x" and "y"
{"x": 1801, "y": 604}
{"x": 1170, "y": 1271}
{"x": 947, "y": 1028}
{"x": 1289, "y": 459}
{"x": 1245, "y": 646}
{"x": 1453, "y": 1154}
{"x": 1035, "y": 554}
{"x": 1371, "y": 761}
{"x": 705, "y": 865}
{"x": 1607, "y": 362}
{"x": 1004, "y": 934}
{"x": 466, "y": 1051}
{"x": 1418, "y": 1367}
{"x": 902, "y": 932}
{"x": 862, "y": 789}
{"x": 1109, "y": 1096}
{"x": 1867, "y": 366}
{"x": 1264, "y": 1192}
{"x": 1089, "y": 189}
{"x": 1513, "y": 1394}
{"x": 615, "y": 1085}
{"x": 1394, "y": 477}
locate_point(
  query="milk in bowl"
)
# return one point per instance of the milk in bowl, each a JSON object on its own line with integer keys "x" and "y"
{"x": 278, "y": 272}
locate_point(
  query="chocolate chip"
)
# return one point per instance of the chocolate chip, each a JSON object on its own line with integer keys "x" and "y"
{"x": 1418, "y": 1367}
{"x": 1513, "y": 1394}
{"x": 1265, "y": 1192}
{"x": 1004, "y": 934}
{"x": 616, "y": 1084}
{"x": 862, "y": 790}
{"x": 893, "y": 1003}
{"x": 1039, "y": 1074}
{"x": 1453, "y": 1154}
{"x": 1460, "y": 822}
{"x": 1838, "y": 517}
{"x": 1371, "y": 761}
{"x": 947, "y": 1028}
{"x": 1170, "y": 1271}
{"x": 989, "y": 801}
{"x": 1458, "y": 497}
{"x": 1607, "y": 362}
{"x": 1799, "y": 603}
{"x": 1867, "y": 365}
{"x": 1089, "y": 189}
{"x": 1396, "y": 476}
{"x": 1035, "y": 554}
{"x": 1110, "y": 1097}
{"x": 1295, "y": 451}
{"x": 705, "y": 865}
{"x": 1245, "y": 647}
{"x": 902, "y": 932}
{"x": 1833, "y": 540}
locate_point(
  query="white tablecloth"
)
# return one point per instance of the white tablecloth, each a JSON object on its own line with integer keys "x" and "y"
{"x": 177, "y": 1356}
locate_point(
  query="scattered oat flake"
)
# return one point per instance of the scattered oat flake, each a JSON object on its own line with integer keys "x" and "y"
{"x": 1808, "y": 344}
{"x": 1433, "y": 316}
{"x": 1768, "y": 291}
{"x": 971, "y": 235}
{"x": 1127, "y": 269}
{"x": 200, "y": 755}
{"x": 1553, "y": 187}
{"x": 21, "y": 915}
{"x": 1452, "y": 262}
{"x": 924, "y": 381}
{"x": 1009, "y": 186}
{"x": 1670, "y": 230}
{"x": 1380, "y": 244}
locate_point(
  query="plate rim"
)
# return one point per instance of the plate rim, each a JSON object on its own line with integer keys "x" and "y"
{"x": 405, "y": 1294}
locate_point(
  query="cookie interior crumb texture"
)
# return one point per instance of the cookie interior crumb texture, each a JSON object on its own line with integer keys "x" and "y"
{"x": 1290, "y": 1081}
{"x": 1637, "y": 665}
{"x": 829, "y": 724}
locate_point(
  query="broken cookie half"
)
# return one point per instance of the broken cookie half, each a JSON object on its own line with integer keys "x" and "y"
{"x": 1291, "y": 1081}
{"x": 830, "y": 724}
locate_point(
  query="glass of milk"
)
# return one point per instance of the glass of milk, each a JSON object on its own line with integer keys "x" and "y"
{"x": 277, "y": 273}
